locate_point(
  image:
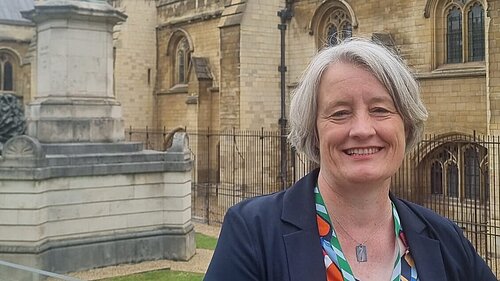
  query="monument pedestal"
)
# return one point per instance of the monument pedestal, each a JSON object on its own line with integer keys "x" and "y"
{"x": 73, "y": 195}
{"x": 74, "y": 73}
{"x": 74, "y": 206}
{"x": 75, "y": 120}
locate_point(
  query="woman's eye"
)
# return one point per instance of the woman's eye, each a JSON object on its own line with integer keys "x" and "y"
{"x": 340, "y": 114}
{"x": 380, "y": 111}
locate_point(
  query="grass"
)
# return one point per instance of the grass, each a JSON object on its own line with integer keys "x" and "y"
{"x": 160, "y": 275}
{"x": 205, "y": 242}
{"x": 202, "y": 242}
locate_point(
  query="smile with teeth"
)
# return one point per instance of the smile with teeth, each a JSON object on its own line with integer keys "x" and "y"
{"x": 362, "y": 151}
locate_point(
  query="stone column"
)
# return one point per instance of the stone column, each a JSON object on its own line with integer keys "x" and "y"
{"x": 74, "y": 101}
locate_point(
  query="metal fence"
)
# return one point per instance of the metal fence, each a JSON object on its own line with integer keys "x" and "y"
{"x": 454, "y": 175}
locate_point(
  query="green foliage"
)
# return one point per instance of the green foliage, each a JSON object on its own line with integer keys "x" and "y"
{"x": 205, "y": 242}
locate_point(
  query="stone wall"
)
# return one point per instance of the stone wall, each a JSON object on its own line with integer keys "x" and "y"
{"x": 455, "y": 105}
{"x": 492, "y": 66}
{"x": 259, "y": 61}
{"x": 135, "y": 62}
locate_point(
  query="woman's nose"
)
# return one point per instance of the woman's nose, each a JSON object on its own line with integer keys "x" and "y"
{"x": 362, "y": 126}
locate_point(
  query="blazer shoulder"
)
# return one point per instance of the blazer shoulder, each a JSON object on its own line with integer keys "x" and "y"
{"x": 293, "y": 201}
{"x": 428, "y": 216}
{"x": 263, "y": 207}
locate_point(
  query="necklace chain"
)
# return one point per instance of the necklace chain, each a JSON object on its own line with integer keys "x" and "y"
{"x": 361, "y": 249}
{"x": 352, "y": 238}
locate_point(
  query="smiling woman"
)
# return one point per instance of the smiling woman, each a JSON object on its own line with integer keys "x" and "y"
{"x": 360, "y": 132}
{"x": 356, "y": 111}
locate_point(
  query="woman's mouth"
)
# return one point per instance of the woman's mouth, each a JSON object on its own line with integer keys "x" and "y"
{"x": 362, "y": 151}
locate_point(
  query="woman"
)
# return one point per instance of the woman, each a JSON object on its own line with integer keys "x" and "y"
{"x": 355, "y": 112}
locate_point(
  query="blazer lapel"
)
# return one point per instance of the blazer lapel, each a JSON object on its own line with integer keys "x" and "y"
{"x": 426, "y": 252}
{"x": 303, "y": 250}
{"x": 304, "y": 257}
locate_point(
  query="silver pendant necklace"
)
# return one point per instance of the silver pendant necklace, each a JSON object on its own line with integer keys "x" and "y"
{"x": 361, "y": 253}
{"x": 361, "y": 249}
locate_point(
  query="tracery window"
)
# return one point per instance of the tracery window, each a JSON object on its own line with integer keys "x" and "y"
{"x": 332, "y": 22}
{"x": 338, "y": 27}
{"x": 459, "y": 31}
{"x": 452, "y": 180}
{"x": 461, "y": 168}
{"x": 436, "y": 178}
{"x": 465, "y": 32}
{"x": 472, "y": 173}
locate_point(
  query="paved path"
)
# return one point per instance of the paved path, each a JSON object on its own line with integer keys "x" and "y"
{"x": 198, "y": 263}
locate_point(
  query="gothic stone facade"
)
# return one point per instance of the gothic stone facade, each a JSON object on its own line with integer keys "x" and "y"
{"x": 214, "y": 63}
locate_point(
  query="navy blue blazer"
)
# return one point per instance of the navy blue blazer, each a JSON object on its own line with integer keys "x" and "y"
{"x": 275, "y": 237}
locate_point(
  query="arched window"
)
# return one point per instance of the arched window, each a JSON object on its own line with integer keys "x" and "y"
{"x": 458, "y": 169}
{"x": 331, "y": 35}
{"x": 332, "y": 22}
{"x": 459, "y": 31}
{"x": 6, "y": 72}
{"x": 8, "y": 81}
{"x": 436, "y": 178}
{"x": 338, "y": 27}
{"x": 472, "y": 173}
{"x": 476, "y": 33}
{"x": 182, "y": 61}
{"x": 452, "y": 180}
{"x": 454, "y": 35}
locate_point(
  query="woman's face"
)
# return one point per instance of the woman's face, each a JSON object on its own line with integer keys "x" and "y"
{"x": 361, "y": 134}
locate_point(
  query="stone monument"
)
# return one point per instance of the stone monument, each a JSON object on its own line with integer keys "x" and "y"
{"x": 74, "y": 195}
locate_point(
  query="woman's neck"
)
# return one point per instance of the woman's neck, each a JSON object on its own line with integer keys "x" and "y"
{"x": 359, "y": 204}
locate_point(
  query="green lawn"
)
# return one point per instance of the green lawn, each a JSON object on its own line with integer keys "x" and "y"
{"x": 205, "y": 242}
{"x": 160, "y": 275}
{"x": 202, "y": 242}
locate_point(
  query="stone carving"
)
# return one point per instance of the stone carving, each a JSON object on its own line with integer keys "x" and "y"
{"x": 167, "y": 141}
{"x": 12, "y": 121}
{"x": 179, "y": 150}
{"x": 22, "y": 147}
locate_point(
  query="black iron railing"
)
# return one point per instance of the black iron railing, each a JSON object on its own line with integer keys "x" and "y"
{"x": 455, "y": 175}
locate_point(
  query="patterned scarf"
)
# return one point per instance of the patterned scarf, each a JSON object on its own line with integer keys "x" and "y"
{"x": 337, "y": 267}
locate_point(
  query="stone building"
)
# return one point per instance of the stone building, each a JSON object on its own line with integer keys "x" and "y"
{"x": 215, "y": 64}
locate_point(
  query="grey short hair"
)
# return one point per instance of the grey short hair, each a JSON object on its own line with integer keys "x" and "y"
{"x": 386, "y": 66}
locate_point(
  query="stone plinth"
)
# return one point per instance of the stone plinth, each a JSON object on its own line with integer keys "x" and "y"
{"x": 74, "y": 74}
{"x": 75, "y": 206}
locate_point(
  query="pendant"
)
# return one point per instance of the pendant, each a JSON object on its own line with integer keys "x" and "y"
{"x": 361, "y": 254}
